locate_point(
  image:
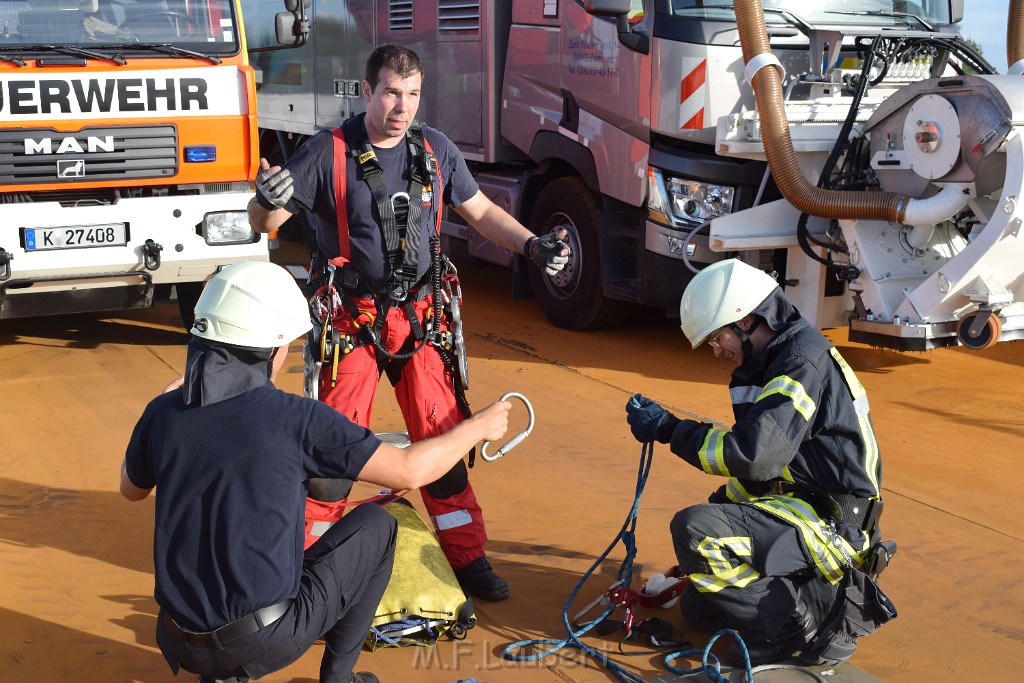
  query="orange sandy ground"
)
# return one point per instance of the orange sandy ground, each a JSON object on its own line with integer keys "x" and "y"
{"x": 75, "y": 558}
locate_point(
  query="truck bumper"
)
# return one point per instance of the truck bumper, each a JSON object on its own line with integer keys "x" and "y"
{"x": 165, "y": 245}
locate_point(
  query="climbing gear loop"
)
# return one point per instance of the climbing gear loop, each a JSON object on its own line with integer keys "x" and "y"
{"x": 514, "y": 441}
{"x": 451, "y": 296}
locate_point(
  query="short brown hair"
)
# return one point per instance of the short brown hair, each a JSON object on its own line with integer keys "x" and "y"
{"x": 397, "y": 58}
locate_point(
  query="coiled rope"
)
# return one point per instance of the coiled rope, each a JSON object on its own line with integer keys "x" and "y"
{"x": 627, "y": 535}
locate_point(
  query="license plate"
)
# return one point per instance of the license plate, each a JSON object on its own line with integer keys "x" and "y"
{"x": 76, "y": 237}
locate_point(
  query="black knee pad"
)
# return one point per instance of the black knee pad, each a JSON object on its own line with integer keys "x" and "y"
{"x": 452, "y": 483}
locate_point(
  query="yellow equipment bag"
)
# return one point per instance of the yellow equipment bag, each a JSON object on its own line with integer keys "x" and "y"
{"x": 423, "y": 600}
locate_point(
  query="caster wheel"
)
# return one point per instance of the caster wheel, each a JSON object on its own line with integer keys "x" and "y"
{"x": 986, "y": 337}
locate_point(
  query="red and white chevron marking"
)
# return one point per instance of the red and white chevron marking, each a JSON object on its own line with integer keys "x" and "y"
{"x": 691, "y": 97}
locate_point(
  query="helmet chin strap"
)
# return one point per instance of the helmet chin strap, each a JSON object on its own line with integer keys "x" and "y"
{"x": 744, "y": 335}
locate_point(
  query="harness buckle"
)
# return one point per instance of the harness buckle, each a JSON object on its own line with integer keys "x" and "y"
{"x": 445, "y": 340}
{"x": 397, "y": 291}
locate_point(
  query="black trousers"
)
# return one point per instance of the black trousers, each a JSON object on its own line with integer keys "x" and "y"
{"x": 724, "y": 540}
{"x": 343, "y": 578}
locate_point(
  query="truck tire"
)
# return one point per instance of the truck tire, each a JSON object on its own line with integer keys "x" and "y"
{"x": 573, "y": 299}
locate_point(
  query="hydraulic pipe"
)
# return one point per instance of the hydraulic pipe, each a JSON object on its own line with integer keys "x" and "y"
{"x": 1015, "y": 38}
{"x": 778, "y": 145}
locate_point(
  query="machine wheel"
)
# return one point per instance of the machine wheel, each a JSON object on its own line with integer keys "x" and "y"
{"x": 188, "y": 296}
{"x": 574, "y": 298}
{"x": 989, "y": 335}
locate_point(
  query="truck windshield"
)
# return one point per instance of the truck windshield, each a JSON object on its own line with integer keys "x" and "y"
{"x": 829, "y": 12}
{"x": 206, "y": 26}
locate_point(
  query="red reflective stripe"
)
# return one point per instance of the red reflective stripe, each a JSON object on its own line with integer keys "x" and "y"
{"x": 695, "y": 79}
{"x": 340, "y": 194}
{"x": 691, "y": 97}
{"x": 697, "y": 122}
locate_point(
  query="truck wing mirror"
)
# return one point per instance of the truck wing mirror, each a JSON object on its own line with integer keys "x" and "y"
{"x": 638, "y": 41}
{"x": 607, "y": 8}
{"x": 293, "y": 5}
{"x": 291, "y": 28}
{"x": 956, "y": 11}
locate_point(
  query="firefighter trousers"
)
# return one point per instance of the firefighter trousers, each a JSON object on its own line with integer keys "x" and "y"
{"x": 748, "y": 571}
{"x": 425, "y": 392}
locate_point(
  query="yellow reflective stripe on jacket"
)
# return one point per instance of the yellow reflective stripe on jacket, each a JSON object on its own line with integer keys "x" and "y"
{"x": 712, "y": 452}
{"x": 787, "y": 386}
{"x": 860, "y": 403}
{"x": 736, "y": 492}
{"x": 718, "y": 552}
{"x": 821, "y": 544}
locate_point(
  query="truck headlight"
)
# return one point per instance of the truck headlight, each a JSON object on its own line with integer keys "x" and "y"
{"x": 683, "y": 203}
{"x": 227, "y": 227}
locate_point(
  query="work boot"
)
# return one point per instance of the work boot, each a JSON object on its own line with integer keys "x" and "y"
{"x": 794, "y": 637}
{"x": 363, "y": 677}
{"x": 479, "y": 580}
{"x": 834, "y": 650}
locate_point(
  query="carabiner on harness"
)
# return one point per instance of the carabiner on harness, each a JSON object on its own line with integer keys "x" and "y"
{"x": 451, "y": 293}
{"x": 514, "y": 441}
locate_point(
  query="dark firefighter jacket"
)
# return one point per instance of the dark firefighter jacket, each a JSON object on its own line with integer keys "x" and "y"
{"x": 802, "y": 418}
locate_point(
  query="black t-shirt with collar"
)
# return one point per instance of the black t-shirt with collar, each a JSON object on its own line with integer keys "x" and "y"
{"x": 230, "y": 482}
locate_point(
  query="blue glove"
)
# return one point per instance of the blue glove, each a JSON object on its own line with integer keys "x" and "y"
{"x": 644, "y": 417}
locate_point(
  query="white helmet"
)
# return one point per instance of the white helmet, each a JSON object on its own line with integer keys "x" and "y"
{"x": 722, "y": 293}
{"x": 255, "y": 304}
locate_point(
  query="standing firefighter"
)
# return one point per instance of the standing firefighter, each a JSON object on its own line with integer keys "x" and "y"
{"x": 229, "y": 456}
{"x": 386, "y": 299}
{"x": 772, "y": 554}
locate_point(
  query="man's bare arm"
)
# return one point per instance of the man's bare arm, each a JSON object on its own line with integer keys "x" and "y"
{"x": 426, "y": 461}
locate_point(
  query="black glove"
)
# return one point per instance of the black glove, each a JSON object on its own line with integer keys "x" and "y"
{"x": 547, "y": 253}
{"x": 644, "y": 417}
{"x": 276, "y": 188}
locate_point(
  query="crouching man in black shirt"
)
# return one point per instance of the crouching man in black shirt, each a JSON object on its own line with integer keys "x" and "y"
{"x": 230, "y": 456}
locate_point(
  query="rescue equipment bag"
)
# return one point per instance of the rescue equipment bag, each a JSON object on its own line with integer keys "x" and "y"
{"x": 860, "y": 608}
{"x": 423, "y": 601}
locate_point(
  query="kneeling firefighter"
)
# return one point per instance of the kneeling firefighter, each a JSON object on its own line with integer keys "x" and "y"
{"x": 785, "y": 552}
{"x": 384, "y": 298}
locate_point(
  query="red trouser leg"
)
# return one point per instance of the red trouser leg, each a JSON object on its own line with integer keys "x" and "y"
{"x": 426, "y": 397}
{"x": 352, "y": 395}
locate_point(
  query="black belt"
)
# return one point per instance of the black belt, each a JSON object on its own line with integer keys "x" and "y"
{"x": 240, "y": 628}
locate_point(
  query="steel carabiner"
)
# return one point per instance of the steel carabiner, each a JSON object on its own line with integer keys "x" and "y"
{"x": 514, "y": 441}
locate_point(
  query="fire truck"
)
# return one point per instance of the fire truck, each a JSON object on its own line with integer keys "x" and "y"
{"x": 858, "y": 149}
{"x": 127, "y": 151}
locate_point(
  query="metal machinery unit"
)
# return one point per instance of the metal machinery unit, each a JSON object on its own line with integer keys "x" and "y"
{"x": 640, "y": 128}
{"x": 127, "y": 151}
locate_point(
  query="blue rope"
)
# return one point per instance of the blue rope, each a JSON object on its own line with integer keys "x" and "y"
{"x": 714, "y": 669}
{"x": 627, "y": 534}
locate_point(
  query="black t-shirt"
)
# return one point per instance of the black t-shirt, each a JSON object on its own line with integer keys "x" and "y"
{"x": 312, "y": 168}
{"x": 230, "y": 483}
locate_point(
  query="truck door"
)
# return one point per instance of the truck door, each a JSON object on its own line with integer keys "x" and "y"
{"x": 606, "y": 89}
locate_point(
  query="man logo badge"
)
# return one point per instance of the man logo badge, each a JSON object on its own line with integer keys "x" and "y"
{"x": 71, "y": 168}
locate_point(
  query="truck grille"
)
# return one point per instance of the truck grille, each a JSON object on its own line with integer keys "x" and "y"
{"x": 31, "y": 156}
